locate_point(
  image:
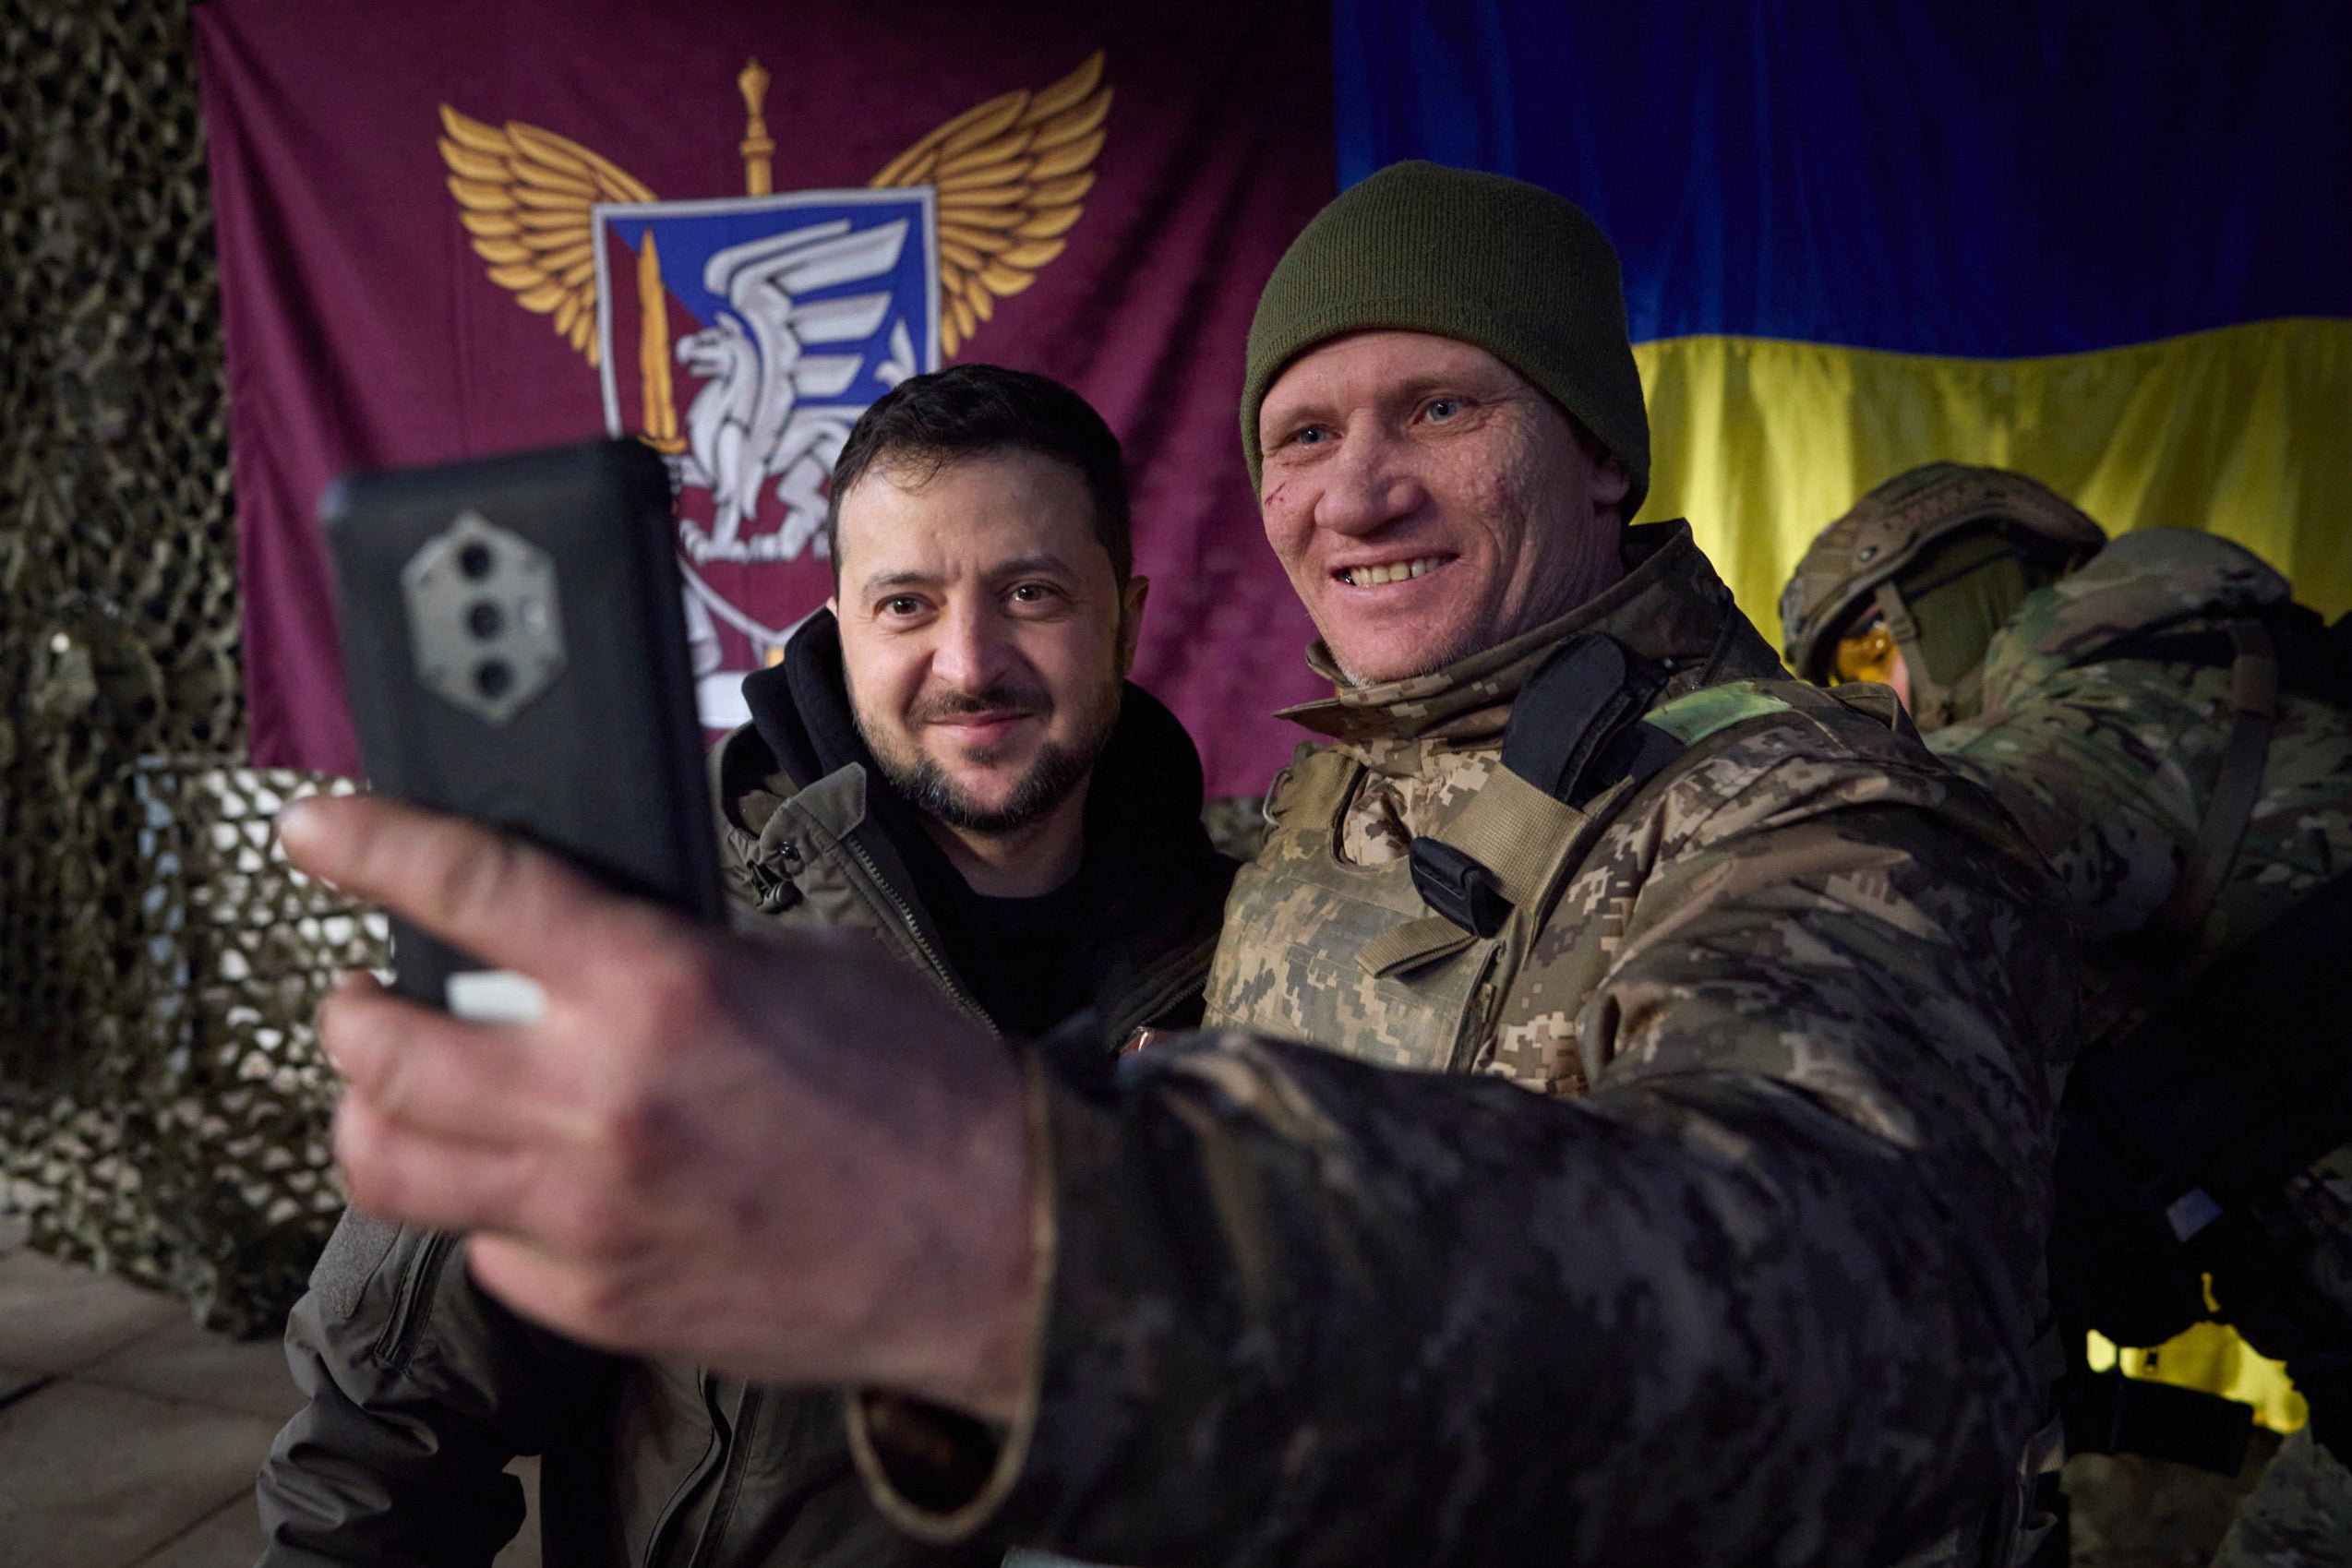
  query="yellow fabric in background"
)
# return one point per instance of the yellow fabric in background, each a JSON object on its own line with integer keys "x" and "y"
{"x": 2246, "y": 431}
{"x": 2213, "y": 1360}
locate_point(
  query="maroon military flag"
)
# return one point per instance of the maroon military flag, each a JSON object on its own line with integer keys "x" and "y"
{"x": 726, "y": 228}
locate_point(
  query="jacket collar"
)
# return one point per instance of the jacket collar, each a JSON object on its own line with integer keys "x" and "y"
{"x": 1670, "y": 608}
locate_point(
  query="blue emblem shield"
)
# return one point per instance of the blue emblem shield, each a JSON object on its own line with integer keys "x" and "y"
{"x": 742, "y": 338}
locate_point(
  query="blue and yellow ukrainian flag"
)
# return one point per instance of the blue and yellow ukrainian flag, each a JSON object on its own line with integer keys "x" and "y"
{"x": 2107, "y": 246}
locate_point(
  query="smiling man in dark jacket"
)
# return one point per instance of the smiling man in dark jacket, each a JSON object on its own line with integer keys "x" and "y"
{"x": 949, "y": 758}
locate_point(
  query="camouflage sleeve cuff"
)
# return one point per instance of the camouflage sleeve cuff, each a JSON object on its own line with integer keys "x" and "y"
{"x": 939, "y": 1474}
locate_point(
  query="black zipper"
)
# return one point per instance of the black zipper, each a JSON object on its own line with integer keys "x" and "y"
{"x": 914, "y": 932}
{"x": 747, "y": 1421}
{"x": 693, "y": 1482}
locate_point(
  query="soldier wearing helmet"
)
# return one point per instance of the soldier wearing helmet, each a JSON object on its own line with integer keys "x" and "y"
{"x": 1965, "y": 545}
{"x": 2175, "y": 734}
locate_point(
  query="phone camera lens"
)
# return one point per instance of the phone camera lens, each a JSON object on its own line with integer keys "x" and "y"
{"x": 475, "y": 561}
{"x": 492, "y": 677}
{"x": 484, "y": 620}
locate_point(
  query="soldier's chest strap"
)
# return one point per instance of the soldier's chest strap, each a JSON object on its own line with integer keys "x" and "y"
{"x": 1576, "y": 748}
{"x": 2314, "y": 659}
{"x": 2265, "y": 655}
{"x": 2254, "y": 700}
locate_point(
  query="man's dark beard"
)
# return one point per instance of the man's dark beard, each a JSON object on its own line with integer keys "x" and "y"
{"x": 1057, "y": 771}
{"x": 1047, "y": 784}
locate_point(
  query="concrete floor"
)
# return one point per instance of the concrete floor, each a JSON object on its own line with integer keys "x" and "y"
{"x": 129, "y": 1436}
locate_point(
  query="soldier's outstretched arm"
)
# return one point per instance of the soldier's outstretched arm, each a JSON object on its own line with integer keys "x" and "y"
{"x": 1767, "y": 1295}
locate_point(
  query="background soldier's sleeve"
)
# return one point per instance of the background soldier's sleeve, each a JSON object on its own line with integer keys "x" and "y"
{"x": 1766, "y": 1295}
{"x": 421, "y": 1390}
{"x": 2108, "y": 771}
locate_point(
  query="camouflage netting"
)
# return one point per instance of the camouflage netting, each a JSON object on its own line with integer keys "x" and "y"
{"x": 1236, "y": 824}
{"x": 162, "y": 1112}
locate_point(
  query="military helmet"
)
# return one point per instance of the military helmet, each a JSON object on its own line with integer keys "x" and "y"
{"x": 1854, "y": 565}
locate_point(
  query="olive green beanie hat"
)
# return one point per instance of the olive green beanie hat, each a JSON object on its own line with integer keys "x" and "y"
{"x": 1487, "y": 260}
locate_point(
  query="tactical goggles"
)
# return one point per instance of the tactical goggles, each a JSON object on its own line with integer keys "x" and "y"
{"x": 1867, "y": 653}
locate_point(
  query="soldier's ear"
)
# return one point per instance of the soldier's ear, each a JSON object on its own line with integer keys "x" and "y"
{"x": 1611, "y": 482}
{"x": 1130, "y": 621}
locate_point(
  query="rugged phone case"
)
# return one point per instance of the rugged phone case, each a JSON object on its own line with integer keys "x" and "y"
{"x": 515, "y": 649}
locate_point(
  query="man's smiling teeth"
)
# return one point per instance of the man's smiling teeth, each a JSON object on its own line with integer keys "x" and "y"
{"x": 1395, "y": 571}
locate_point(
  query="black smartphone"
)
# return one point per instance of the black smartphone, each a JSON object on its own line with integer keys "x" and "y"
{"x": 514, "y": 646}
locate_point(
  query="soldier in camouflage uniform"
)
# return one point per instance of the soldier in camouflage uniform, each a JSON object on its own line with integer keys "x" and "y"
{"x": 2157, "y": 715}
{"x": 1715, "y": 1240}
{"x": 1628, "y": 1151}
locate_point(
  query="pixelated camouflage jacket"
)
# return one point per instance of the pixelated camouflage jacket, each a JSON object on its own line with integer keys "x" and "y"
{"x": 2109, "y": 764}
{"x": 1750, "y": 1277}
{"x": 422, "y": 1387}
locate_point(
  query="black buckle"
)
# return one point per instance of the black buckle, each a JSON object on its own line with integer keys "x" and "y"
{"x": 1460, "y": 889}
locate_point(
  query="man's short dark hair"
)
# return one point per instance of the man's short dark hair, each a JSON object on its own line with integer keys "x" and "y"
{"x": 968, "y": 411}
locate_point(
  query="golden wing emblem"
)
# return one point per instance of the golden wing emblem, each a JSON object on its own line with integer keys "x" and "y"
{"x": 1010, "y": 176}
{"x": 524, "y": 194}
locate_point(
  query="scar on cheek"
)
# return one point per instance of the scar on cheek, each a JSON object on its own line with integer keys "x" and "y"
{"x": 1274, "y": 498}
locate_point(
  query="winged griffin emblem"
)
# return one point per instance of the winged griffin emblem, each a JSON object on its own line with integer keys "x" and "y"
{"x": 754, "y": 330}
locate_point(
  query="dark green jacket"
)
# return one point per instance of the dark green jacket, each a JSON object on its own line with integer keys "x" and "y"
{"x": 422, "y": 1388}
